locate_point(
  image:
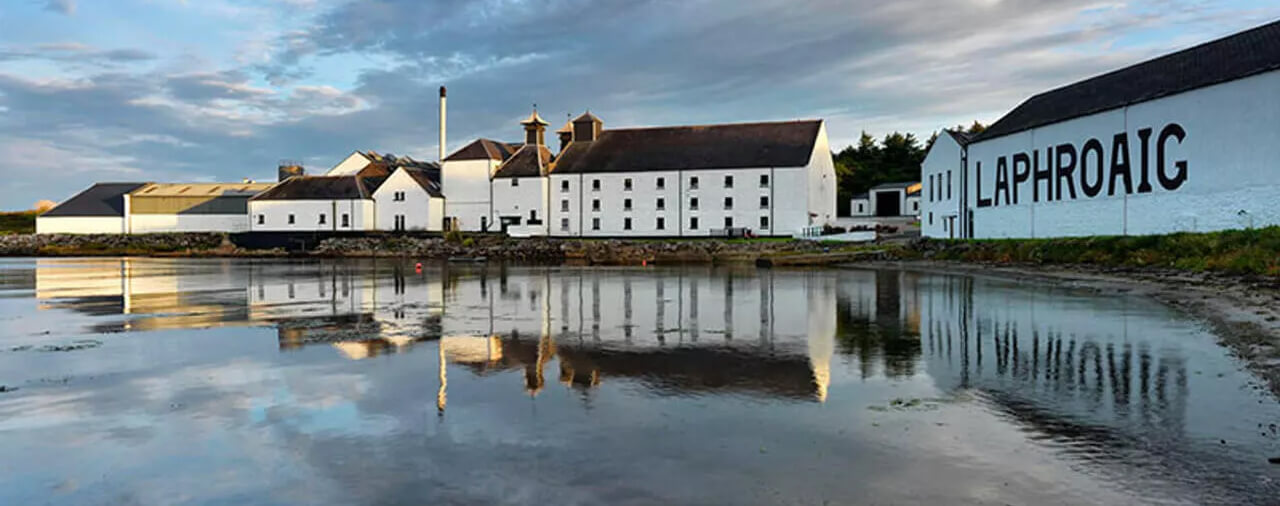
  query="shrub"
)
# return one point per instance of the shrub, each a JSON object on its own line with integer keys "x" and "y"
{"x": 453, "y": 236}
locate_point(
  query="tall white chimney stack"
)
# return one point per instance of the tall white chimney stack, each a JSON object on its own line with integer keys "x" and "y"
{"x": 443, "y": 110}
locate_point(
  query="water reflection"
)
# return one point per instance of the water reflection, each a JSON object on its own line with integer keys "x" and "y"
{"x": 1108, "y": 381}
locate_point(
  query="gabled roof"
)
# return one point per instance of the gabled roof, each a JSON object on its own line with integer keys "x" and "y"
{"x": 323, "y": 188}
{"x": 1234, "y": 57}
{"x": 484, "y": 149}
{"x": 199, "y": 190}
{"x": 774, "y": 144}
{"x": 101, "y": 199}
{"x": 961, "y": 138}
{"x": 425, "y": 179}
{"x": 527, "y": 162}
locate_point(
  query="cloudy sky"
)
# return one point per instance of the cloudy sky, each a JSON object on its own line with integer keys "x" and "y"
{"x": 170, "y": 90}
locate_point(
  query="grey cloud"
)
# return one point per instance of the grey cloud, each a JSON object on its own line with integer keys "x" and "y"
{"x": 67, "y": 7}
{"x": 76, "y": 53}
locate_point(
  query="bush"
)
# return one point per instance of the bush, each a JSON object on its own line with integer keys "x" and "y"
{"x": 468, "y": 242}
{"x": 453, "y": 236}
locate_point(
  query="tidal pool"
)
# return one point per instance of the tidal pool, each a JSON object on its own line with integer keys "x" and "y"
{"x": 159, "y": 381}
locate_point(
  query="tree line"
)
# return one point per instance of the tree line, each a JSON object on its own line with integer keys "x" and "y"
{"x": 894, "y": 158}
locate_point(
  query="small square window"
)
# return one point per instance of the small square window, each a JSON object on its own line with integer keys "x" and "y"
{"x": 662, "y": 203}
{"x": 322, "y": 217}
{"x": 626, "y": 204}
{"x": 728, "y": 202}
{"x": 626, "y": 184}
{"x": 346, "y": 220}
{"x": 564, "y": 206}
{"x": 693, "y": 183}
{"x": 290, "y": 219}
{"x": 728, "y": 222}
{"x": 626, "y": 223}
{"x": 595, "y": 223}
{"x": 595, "y": 185}
{"x": 693, "y": 223}
{"x": 728, "y": 181}
{"x": 595, "y": 205}
{"x": 564, "y": 224}
{"x": 262, "y": 219}
{"x": 564, "y": 186}
{"x": 764, "y": 202}
{"x": 764, "y": 180}
{"x": 693, "y": 203}
{"x": 764, "y": 223}
{"x": 515, "y": 181}
{"x": 662, "y": 223}
{"x": 662, "y": 183}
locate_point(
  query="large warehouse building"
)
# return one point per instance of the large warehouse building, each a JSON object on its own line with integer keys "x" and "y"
{"x": 1189, "y": 141}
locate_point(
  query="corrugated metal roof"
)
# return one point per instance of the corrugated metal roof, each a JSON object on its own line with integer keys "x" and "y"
{"x": 199, "y": 189}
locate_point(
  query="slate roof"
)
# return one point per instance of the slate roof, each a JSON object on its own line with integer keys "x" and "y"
{"x": 101, "y": 199}
{"x": 961, "y": 138}
{"x": 1233, "y": 57}
{"x": 527, "y": 162}
{"x": 426, "y": 180}
{"x": 773, "y": 144}
{"x": 323, "y": 188}
{"x": 484, "y": 149}
{"x": 894, "y": 186}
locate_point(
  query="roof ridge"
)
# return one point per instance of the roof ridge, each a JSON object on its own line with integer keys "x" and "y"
{"x": 749, "y": 123}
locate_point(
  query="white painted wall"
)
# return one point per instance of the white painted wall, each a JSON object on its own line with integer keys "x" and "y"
{"x": 306, "y": 213}
{"x": 528, "y": 194}
{"x": 1230, "y": 149}
{"x": 159, "y": 223}
{"x": 860, "y": 207}
{"x": 939, "y": 203}
{"x": 79, "y": 225}
{"x": 465, "y": 184}
{"x": 416, "y": 206}
{"x": 821, "y": 192}
{"x": 349, "y": 165}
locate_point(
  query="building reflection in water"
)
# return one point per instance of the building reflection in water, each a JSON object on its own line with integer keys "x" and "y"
{"x": 676, "y": 330}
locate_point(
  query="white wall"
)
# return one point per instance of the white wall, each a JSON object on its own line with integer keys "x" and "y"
{"x": 821, "y": 192}
{"x": 530, "y": 193}
{"x": 349, "y": 165}
{"x": 465, "y": 184}
{"x": 79, "y": 225}
{"x": 939, "y": 204}
{"x": 158, "y": 223}
{"x": 306, "y": 215}
{"x": 864, "y": 210}
{"x": 1230, "y": 150}
{"x": 416, "y": 206}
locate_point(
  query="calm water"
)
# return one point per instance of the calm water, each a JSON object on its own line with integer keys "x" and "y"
{"x": 151, "y": 381}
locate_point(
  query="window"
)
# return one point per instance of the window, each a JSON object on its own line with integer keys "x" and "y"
{"x": 693, "y": 183}
{"x": 948, "y": 185}
{"x": 564, "y": 206}
{"x": 262, "y": 219}
{"x": 764, "y": 202}
{"x": 728, "y": 222}
{"x": 860, "y": 208}
{"x": 346, "y": 220}
{"x": 930, "y": 218}
{"x": 693, "y": 203}
{"x": 662, "y": 203}
{"x": 595, "y": 223}
{"x": 626, "y": 204}
{"x": 764, "y": 180}
{"x": 915, "y": 205}
{"x": 728, "y": 181}
{"x": 626, "y": 223}
{"x": 662, "y": 223}
{"x": 564, "y": 224}
{"x": 728, "y": 202}
{"x": 693, "y": 223}
{"x": 533, "y": 217}
{"x": 764, "y": 223}
{"x": 626, "y": 184}
{"x": 662, "y": 183}
{"x": 564, "y": 185}
{"x": 322, "y": 217}
{"x": 290, "y": 219}
{"x": 484, "y": 223}
{"x": 595, "y": 204}
{"x": 595, "y": 185}
{"x": 515, "y": 181}
{"x": 399, "y": 222}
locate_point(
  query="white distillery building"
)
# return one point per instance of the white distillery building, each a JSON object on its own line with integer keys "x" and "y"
{"x": 142, "y": 208}
{"x": 690, "y": 181}
{"x": 1184, "y": 142}
{"x": 888, "y": 200}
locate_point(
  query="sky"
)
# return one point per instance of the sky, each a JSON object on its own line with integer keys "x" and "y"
{"x": 220, "y": 90}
